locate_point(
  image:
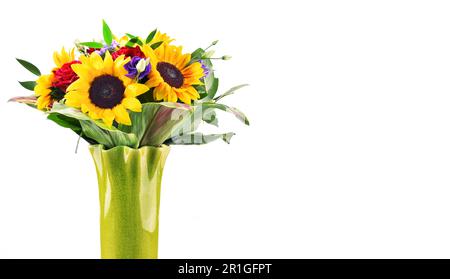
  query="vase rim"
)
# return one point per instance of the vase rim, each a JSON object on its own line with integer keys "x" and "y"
{"x": 102, "y": 147}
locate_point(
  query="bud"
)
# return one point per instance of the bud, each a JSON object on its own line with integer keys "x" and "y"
{"x": 215, "y": 42}
{"x": 226, "y": 57}
{"x": 140, "y": 66}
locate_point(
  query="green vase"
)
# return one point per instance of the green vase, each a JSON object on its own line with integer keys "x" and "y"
{"x": 129, "y": 182}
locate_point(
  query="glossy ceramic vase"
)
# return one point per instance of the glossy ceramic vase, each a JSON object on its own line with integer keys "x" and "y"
{"x": 129, "y": 182}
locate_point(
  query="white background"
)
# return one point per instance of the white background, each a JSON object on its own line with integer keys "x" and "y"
{"x": 347, "y": 155}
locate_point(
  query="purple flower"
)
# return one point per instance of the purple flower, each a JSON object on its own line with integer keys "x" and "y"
{"x": 114, "y": 45}
{"x": 205, "y": 68}
{"x": 135, "y": 68}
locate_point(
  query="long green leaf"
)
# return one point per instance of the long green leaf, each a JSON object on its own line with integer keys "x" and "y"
{"x": 150, "y": 36}
{"x": 156, "y": 45}
{"x": 237, "y": 113}
{"x": 92, "y": 44}
{"x": 133, "y": 41}
{"x": 211, "y": 88}
{"x": 199, "y": 138}
{"x": 230, "y": 91}
{"x": 28, "y": 85}
{"x": 65, "y": 121}
{"x": 30, "y": 67}
{"x": 107, "y": 34}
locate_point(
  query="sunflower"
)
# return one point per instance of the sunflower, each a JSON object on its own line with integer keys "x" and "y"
{"x": 45, "y": 88}
{"x": 103, "y": 90}
{"x": 172, "y": 74}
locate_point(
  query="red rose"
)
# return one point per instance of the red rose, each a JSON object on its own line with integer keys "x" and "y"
{"x": 91, "y": 50}
{"x": 128, "y": 52}
{"x": 64, "y": 76}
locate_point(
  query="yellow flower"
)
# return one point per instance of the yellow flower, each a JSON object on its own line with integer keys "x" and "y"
{"x": 43, "y": 89}
{"x": 64, "y": 57}
{"x": 171, "y": 75}
{"x": 103, "y": 90}
{"x": 161, "y": 37}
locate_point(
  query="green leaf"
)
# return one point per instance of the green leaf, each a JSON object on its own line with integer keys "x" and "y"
{"x": 211, "y": 82}
{"x": 197, "y": 54}
{"x": 96, "y": 130}
{"x": 211, "y": 88}
{"x": 157, "y": 122}
{"x": 210, "y": 117}
{"x": 130, "y": 35}
{"x": 28, "y": 85}
{"x": 199, "y": 138}
{"x": 30, "y": 67}
{"x": 109, "y": 138}
{"x": 69, "y": 111}
{"x": 92, "y": 44}
{"x": 134, "y": 41}
{"x": 150, "y": 36}
{"x": 70, "y": 123}
{"x": 230, "y": 91}
{"x": 65, "y": 121}
{"x": 107, "y": 34}
{"x": 237, "y": 113}
{"x": 156, "y": 45}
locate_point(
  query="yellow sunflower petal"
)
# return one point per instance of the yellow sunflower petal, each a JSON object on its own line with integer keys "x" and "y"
{"x": 96, "y": 61}
{"x": 78, "y": 85}
{"x": 84, "y": 108}
{"x": 41, "y": 91}
{"x": 108, "y": 117}
{"x": 108, "y": 64}
{"x": 184, "y": 97}
{"x": 94, "y": 113}
{"x": 159, "y": 93}
{"x": 183, "y": 60}
{"x": 63, "y": 57}
{"x": 132, "y": 104}
{"x": 121, "y": 115}
{"x": 154, "y": 79}
{"x": 119, "y": 64}
{"x": 172, "y": 96}
{"x": 82, "y": 71}
{"x": 75, "y": 99}
{"x": 135, "y": 89}
{"x": 43, "y": 102}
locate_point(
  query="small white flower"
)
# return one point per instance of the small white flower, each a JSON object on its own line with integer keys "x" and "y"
{"x": 141, "y": 65}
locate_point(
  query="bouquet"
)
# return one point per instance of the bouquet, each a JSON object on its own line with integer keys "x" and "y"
{"x": 131, "y": 98}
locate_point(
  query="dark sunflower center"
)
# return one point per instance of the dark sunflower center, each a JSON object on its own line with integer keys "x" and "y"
{"x": 106, "y": 91}
{"x": 170, "y": 74}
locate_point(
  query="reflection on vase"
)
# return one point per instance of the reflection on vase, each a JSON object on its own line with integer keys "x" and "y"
{"x": 129, "y": 182}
